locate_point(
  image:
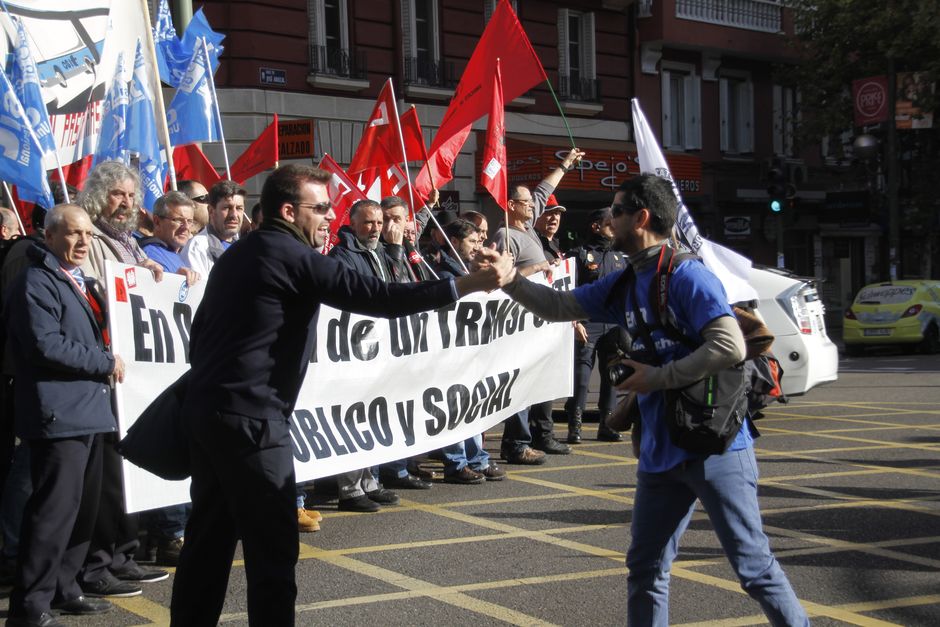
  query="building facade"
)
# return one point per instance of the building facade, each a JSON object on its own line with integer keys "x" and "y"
{"x": 707, "y": 73}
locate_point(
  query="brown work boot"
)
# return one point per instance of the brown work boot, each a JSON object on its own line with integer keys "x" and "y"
{"x": 528, "y": 456}
{"x": 306, "y": 523}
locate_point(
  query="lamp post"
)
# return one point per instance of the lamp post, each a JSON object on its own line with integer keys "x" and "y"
{"x": 868, "y": 149}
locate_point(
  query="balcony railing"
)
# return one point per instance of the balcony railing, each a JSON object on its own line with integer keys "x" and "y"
{"x": 337, "y": 62}
{"x": 583, "y": 89}
{"x": 760, "y": 15}
{"x": 423, "y": 71}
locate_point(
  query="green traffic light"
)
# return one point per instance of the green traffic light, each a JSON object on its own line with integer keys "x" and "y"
{"x": 776, "y": 206}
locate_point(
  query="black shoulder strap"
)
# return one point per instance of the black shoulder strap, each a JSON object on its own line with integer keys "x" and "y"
{"x": 669, "y": 260}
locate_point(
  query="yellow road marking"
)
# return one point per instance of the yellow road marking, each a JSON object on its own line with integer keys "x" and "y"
{"x": 145, "y": 608}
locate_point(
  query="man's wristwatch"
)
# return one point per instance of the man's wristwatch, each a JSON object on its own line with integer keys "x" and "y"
{"x": 566, "y": 168}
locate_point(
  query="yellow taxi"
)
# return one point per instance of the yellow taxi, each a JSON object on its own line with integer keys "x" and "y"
{"x": 892, "y": 313}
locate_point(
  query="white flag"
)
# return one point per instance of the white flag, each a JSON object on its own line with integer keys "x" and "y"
{"x": 730, "y": 267}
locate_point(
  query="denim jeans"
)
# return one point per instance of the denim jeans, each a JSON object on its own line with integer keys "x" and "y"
{"x": 727, "y": 487}
{"x": 469, "y": 452}
{"x": 167, "y": 523}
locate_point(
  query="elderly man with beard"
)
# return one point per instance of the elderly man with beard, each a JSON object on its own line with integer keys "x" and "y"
{"x": 111, "y": 197}
{"x": 226, "y": 211}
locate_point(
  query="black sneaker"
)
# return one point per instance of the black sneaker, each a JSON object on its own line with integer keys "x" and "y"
{"x": 43, "y": 620}
{"x": 82, "y": 605}
{"x": 606, "y": 434}
{"x": 358, "y": 504}
{"x": 408, "y": 482}
{"x": 552, "y": 447}
{"x": 139, "y": 574}
{"x": 109, "y": 586}
{"x": 383, "y": 496}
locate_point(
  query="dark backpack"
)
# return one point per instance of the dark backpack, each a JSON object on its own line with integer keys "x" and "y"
{"x": 705, "y": 416}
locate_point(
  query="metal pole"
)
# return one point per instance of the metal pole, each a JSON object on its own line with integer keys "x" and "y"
{"x": 894, "y": 239}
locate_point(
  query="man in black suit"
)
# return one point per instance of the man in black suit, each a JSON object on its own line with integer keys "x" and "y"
{"x": 251, "y": 342}
{"x": 62, "y": 367}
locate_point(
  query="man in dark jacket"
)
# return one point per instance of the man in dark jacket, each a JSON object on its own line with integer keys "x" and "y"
{"x": 62, "y": 367}
{"x": 360, "y": 248}
{"x": 251, "y": 343}
{"x": 595, "y": 259}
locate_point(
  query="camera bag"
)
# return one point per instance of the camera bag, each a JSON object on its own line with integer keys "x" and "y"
{"x": 705, "y": 416}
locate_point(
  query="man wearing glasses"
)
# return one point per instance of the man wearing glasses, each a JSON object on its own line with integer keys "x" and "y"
{"x": 671, "y": 479}
{"x": 251, "y": 345}
{"x": 525, "y": 443}
{"x": 198, "y": 193}
{"x": 172, "y": 221}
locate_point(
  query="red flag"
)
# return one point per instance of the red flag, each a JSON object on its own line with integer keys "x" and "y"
{"x": 191, "y": 163}
{"x": 381, "y": 142}
{"x": 261, "y": 155}
{"x": 75, "y": 173}
{"x": 343, "y": 192}
{"x": 414, "y": 138}
{"x": 494, "y": 150}
{"x": 503, "y": 39}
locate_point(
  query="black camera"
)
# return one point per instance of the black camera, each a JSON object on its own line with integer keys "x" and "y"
{"x": 618, "y": 373}
{"x": 612, "y": 347}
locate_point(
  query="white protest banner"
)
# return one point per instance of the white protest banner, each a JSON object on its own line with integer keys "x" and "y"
{"x": 376, "y": 390}
{"x": 730, "y": 267}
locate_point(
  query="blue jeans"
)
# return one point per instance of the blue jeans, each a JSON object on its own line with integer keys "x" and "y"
{"x": 727, "y": 487}
{"x": 469, "y": 452}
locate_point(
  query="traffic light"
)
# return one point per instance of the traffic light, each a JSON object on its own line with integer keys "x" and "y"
{"x": 776, "y": 187}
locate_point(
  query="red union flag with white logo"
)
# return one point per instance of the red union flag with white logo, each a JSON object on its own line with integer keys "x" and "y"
{"x": 870, "y": 100}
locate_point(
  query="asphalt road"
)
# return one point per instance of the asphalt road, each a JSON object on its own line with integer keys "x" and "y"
{"x": 849, "y": 491}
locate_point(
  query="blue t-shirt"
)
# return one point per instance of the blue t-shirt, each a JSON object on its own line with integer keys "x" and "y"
{"x": 696, "y": 297}
{"x": 170, "y": 260}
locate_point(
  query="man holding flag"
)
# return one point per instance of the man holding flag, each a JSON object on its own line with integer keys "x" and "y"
{"x": 525, "y": 207}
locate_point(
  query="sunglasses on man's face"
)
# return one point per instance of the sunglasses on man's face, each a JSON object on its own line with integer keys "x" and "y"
{"x": 204, "y": 198}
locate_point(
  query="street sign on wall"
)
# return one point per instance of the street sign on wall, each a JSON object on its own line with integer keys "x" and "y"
{"x": 295, "y": 139}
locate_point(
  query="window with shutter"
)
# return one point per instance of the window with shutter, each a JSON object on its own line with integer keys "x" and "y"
{"x": 577, "y": 71}
{"x": 681, "y": 106}
{"x": 329, "y": 37}
{"x": 420, "y": 42}
{"x": 736, "y": 107}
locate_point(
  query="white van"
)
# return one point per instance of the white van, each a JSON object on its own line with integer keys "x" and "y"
{"x": 792, "y": 310}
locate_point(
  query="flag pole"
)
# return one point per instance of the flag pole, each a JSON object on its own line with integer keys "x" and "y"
{"x": 411, "y": 198}
{"x": 560, "y": 111}
{"x": 19, "y": 221}
{"x": 215, "y": 103}
{"x": 160, "y": 113}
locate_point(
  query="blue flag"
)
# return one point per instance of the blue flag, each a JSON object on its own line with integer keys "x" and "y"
{"x": 142, "y": 133}
{"x": 112, "y": 142}
{"x": 191, "y": 116}
{"x": 20, "y": 153}
{"x": 173, "y": 54}
{"x": 25, "y": 79}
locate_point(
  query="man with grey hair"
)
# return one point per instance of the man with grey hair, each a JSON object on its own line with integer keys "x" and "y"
{"x": 172, "y": 221}
{"x": 111, "y": 197}
{"x": 359, "y": 247}
{"x": 9, "y": 225}
{"x": 226, "y": 212}
{"x": 63, "y": 365}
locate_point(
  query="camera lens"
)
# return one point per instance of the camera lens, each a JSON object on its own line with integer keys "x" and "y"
{"x": 619, "y": 373}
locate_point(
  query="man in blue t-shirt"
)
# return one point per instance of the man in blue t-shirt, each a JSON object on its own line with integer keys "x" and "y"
{"x": 172, "y": 224}
{"x": 670, "y": 479}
